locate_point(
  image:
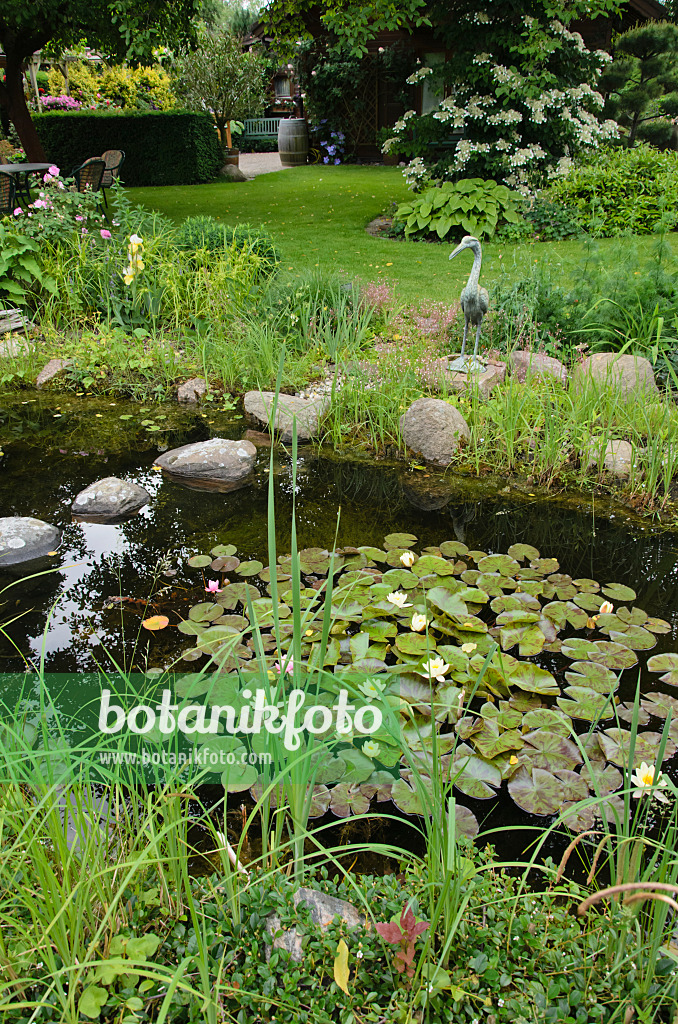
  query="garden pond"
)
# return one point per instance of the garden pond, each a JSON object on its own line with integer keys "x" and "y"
{"x": 578, "y": 598}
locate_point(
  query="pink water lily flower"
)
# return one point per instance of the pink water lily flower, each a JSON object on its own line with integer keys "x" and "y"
{"x": 213, "y": 587}
{"x": 289, "y": 667}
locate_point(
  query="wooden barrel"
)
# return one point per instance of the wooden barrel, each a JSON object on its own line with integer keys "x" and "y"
{"x": 293, "y": 141}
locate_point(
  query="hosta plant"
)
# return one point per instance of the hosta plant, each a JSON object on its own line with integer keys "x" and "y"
{"x": 473, "y": 204}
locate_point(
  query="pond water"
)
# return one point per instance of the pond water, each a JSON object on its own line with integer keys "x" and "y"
{"x": 89, "y": 608}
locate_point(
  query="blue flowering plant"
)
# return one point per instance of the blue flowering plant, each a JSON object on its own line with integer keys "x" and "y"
{"x": 330, "y": 143}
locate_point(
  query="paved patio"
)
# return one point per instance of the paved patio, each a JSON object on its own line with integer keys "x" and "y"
{"x": 252, "y": 164}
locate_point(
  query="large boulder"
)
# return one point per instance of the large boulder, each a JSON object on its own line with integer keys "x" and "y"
{"x": 259, "y": 405}
{"x": 23, "y": 539}
{"x": 322, "y": 910}
{"x": 192, "y": 390}
{"x": 110, "y": 500}
{"x": 615, "y": 457}
{"x": 216, "y": 464}
{"x": 632, "y": 375}
{"x": 433, "y": 429}
{"x": 526, "y": 364}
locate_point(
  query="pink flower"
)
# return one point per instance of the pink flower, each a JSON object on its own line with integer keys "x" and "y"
{"x": 39, "y": 204}
{"x": 213, "y": 586}
{"x": 18, "y": 211}
{"x": 54, "y": 170}
{"x": 105, "y": 233}
{"x": 289, "y": 666}
{"x": 78, "y": 217}
{"x": 83, "y": 231}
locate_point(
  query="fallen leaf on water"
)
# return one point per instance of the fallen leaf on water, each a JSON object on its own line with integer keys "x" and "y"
{"x": 155, "y": 622}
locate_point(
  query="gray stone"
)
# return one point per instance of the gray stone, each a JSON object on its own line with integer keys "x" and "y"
{"x": 433, "y": 429}
{"x": 192, "y": 390}
{"x": 308, "y": 411}
{"x": 216, "y": 464}
{"x": 323, "y": 910}
{"x": 616, "y": 457}
{"x": 14, "y": 347}
{"x": 379, "y": 226}
{"x": 23, "y": 538}
{"x": 232, "y": 172}
{"x": 110, "y": 499}
{"x": 632, "y": 375}
{"x": 492, "y": 375}
{"x": 526, "y": 364}
{"x": 52, "y": 369}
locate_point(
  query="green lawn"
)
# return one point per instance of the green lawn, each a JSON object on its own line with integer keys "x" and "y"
{"x": 318, "y": 217}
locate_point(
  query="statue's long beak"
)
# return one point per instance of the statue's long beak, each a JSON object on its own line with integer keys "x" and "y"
{"x": 456, "y": 252}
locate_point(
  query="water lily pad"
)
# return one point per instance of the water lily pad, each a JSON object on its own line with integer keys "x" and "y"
{"x": 577, "y": 649}
{"x": 618, "y": 592}
{"x": 657, "y": 625}
{"x": 516, "y": 602}
{"x": 492, "y": 583}
{"x": 503, "y": 564}
{"x": 544, "y": 749}
{"x": 491, "y": 743}
{"x": 625, "y": 713}
{"x": 635, "y": 637}
{"x": 632, "y": 616}
{"x": 592, "y": 675}
{"x": 586, "y": 704}
{"x": 660, "y": 704}
{"x": 415, "y": 644}
{"x": 466, "y": 821}
{"x": 223, "y": 550}
{"x": 613, "y": 655}
{"x": 533, "y": 679}
{"x": 429, "y": 565}
{"x": 575, "y": 786}
{"x": 192, "y": 685}
{"x": 447, "y": 602}
{"x": 451, "y": 548}
{"x": 225, "y": 563}
{"x": 236, "y": 593}
{"x": 408, "y": 799}
{"x": 537, "y": 792}
{"x": 280, "y": 574}
{"x": 239, "y": 777}
{"x": 602, "y": 780}
{"x": 562, "y": 612}
{"x": 548, "y": 718}
{"x": 250, "y": 568}
{"x": 523, "y": 552}
{"x": 199, "y": 561}
{"x": 590, "y": 602}
{"x": 399, "y": 540}
{"x": 545, "y": 566}
{"x": 205, "y": 612}
{"x": 346, "y": 800}
{"x": 587, "y": 586}
{"x": 666, "y": 663}
{"x": 373, "y": 554}
{"x": 615, "y": 744}
{"x": 474, "y": 777}
{"x": 192, "y": 655}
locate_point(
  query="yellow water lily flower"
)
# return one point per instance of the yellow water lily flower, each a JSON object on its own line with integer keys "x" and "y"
{"x": 399, "y": 599}
{"x": 606, "y": 607}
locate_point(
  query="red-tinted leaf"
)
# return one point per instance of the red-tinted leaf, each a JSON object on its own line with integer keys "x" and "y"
{"x": 390, "y": 931}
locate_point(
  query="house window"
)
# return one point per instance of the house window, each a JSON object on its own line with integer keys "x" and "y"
{"x": 431, "y": 91}
{"x": 282, "y": 88}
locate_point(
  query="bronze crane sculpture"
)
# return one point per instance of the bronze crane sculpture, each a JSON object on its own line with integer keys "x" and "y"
{"x": 474, "y": 303}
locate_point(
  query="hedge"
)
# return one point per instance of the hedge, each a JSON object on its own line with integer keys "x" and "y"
{"x": 161, "y": 148}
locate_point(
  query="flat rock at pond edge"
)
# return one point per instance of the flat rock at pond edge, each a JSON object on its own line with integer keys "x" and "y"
{"x": 23, "y": 539}
{"x": 433, "y": 429}
{"x": 633, "y": 375}
{"x": 323, "y": 910}
{"x": 110, "y": 499}
{"x": 526, "y": 364}
{"x": 259, "y": 405}
{"x": 192, "y": 390}
{"x": 616, "y": 457}
{"x": 14, "y": 347}
{"x": 492, "y": 375}
{"x": 51, "y": 369}
{"x": 215, "y": 464}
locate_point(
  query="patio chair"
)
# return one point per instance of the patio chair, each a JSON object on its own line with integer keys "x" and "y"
{"x": 8, "y": 199}
{"x": 89, "y": 174}
{"x": 114, "y": 159}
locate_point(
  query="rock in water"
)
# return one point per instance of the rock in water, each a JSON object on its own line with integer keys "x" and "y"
{"x": 259, "y": 405}
{"x": 433, "y": 429}
{"x": 192, "y": 390}
{"x": 216, "y": 464}
{"x": 632, "y": 375}
{"x": 23, "y": 538}
{"x": 110, "y": 500}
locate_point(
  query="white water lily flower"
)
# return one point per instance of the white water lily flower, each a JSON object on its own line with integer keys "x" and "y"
{"x": 648, "y": 779}
{"x": 407, "y": 558}
{"x": 435, "y": 669}
{"x": 399, "y": 599}
{"x": 371, "y": 749}
{"x": 606, "y": 607}
{"x": 372, "y": 688}
{"x": 468, "y": 648}
{"x": 418, "y": 623}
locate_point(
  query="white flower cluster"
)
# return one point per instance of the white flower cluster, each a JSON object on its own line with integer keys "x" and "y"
{"x": 503, "y": 145}
{"x": 415, "y": 173}
{"x": 454, "y": 114}
{"x": 482, "y": 18}
{"x": 482, "y": 58}
{"x": 571, "y": 37}
{"x": 528, "y": 21}
{"x": 418, "y": 75}
{"x": 536, "y": 107}
{"x": 399, "y": 125}
{"x": 505, "y": 117}
{"x": 506, "y": 76}
{"x": 389, "y": 144}
{"x": 465, "y": 149}
{"x": 603, "y": 56}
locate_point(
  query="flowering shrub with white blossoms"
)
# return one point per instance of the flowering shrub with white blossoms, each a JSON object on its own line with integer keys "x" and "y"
{"x": 521, "y": 88}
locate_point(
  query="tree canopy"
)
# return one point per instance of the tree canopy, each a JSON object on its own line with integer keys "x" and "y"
{"x": 128, "y": 29}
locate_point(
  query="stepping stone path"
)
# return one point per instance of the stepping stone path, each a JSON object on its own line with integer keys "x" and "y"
{"x": 23, "y": 539}
{"x": 526, "y": 364}
{"x": 322, "y": 910}
{"x": 259, "y": 405}
{"x": 109, "y": 500}
{"x": 216, "y": 464}
{"x": 192, "y": 390}
{"x": 433, "y": 429}
{"x": 633, "y": 375}
{"x": 52, "y": 369}
{"x": 616, "y": 458}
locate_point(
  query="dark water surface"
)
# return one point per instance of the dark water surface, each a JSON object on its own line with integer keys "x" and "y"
{"x": 55, "y": 446}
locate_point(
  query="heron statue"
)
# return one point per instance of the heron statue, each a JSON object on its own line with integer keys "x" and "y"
{"x": 474, "y": 303}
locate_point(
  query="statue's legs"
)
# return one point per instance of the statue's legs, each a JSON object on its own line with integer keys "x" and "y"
{"x": 475, "y": 350}
{"x": 464, "y": 364}
{"x": 463, "y": 344}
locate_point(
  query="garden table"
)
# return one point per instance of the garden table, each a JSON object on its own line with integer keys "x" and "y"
{"x": 21, "y": 172}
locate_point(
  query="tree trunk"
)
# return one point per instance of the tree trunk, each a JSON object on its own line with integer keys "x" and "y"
{"x": 13, "y": 100}
{"x": 229, "y": 140}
